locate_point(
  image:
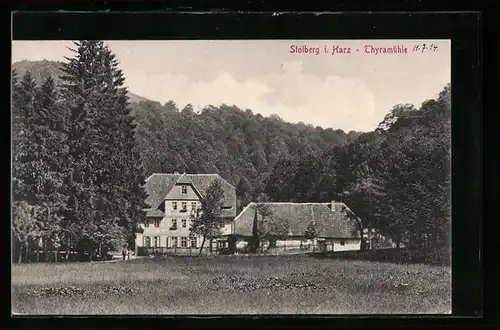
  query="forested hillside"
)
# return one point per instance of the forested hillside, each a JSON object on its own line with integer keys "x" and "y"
{"x": 40, "y": 70}
{"x": 241, "y": 146}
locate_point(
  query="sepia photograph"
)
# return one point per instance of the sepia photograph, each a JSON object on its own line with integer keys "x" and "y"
{"x": 231, "y": 177}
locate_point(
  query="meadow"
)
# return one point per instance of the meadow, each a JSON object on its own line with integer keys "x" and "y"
{"x": 231, "y": 285}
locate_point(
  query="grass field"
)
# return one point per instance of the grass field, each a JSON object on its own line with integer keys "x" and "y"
{"x": 231, "y": 285}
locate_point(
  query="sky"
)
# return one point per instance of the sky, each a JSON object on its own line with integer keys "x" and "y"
{"x": 348, "y": 91}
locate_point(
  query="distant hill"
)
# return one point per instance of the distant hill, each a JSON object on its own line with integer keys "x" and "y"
{"x": 44, "y": 68}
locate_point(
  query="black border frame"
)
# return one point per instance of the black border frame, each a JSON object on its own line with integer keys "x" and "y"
{"x": 464, "y": 28}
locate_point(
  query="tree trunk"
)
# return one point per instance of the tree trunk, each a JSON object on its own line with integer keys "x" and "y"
{"x": 211, "y": 245}
{"x": 27, "y": 251}
{"x": 20, "y": 253}
{"x": 202, "y": 244}
{"x": 38, "y": 252}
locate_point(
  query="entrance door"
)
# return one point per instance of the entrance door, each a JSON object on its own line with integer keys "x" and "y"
{"x": 322, "y": 246}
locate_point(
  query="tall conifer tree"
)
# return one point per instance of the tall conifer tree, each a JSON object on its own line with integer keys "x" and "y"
{"x": 105, "y": 177}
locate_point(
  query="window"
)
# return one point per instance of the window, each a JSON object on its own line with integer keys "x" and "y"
{"x": 193, "y": 205}
{"x": 184, "y": 222}
{"x": 147, "y": 241}
{"x": 184, "y": 189}
{"x": 193, "y": 242}
{"x": 184, "y": 242}
{"x": 174, "y": 241}
{"x": 146, "y": 223}
{"x": 222, "y": 244}
{"x": 174, "y": 206}
{"x": 222, "y": 224}
{"x": 184, "y": 206}
{"x": 342, "y": 242}
{"x": 157, "y": 223}
{"x": 174, "y": 224}
{"x": 157, "y": 241}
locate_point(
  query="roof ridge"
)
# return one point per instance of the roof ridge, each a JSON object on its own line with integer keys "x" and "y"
{"x": 312, "y": 215}
{"x": 153, "y": 174}
{"x": 182, "y": 175}
{"x": 243, "y": 211}
{"x": 296, "y": 203}
{"x": 221, "y": 178}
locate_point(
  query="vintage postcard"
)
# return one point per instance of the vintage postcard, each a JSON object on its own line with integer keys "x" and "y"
{"x": 219, "y": 177}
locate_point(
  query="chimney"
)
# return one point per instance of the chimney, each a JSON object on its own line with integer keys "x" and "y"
{"x": 335, "y": 206}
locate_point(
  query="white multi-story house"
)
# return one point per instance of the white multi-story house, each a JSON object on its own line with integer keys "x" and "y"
{"x": 174, "y": 198}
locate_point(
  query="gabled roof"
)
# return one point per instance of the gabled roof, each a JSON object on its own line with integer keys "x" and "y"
{"x": 334, "y": 224}
{"x": 158, "y": 185}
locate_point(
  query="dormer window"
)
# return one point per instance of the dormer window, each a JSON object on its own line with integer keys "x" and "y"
{"x": 184, "y": 189}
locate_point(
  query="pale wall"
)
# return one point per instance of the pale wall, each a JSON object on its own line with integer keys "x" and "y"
{"x": 164, "y": 232}
{"x": 176, "y": 193}
{"x": 349, "y": 244}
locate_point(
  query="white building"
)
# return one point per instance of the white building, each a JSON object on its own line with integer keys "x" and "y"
{"x": 335, "y": 230}
{"x": 174, "y": 199}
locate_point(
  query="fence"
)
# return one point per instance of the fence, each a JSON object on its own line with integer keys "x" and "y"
{"x": 56, "y": 256}
{"x": 188, "y": 251}
{"x": 288, "y": 249}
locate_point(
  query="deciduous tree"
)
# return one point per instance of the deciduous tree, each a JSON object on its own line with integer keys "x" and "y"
{"x": 208, "y": 220}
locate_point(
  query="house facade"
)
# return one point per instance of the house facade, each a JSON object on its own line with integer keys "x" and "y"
{"x": 174, "y": 199}
{"x": 335, "y": 230}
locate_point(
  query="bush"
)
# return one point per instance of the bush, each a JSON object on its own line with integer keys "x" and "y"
{"x": 142, "y": 251}
{"x": 225, "y": 251}
{"x": 404, "y": 255}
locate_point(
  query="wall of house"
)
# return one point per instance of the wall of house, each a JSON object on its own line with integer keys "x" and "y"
{"x": 332, "y": 244}
{"x": 346, "y": 244}
{"x": 173, "y": 212}
{"x": 166, "y": 232}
